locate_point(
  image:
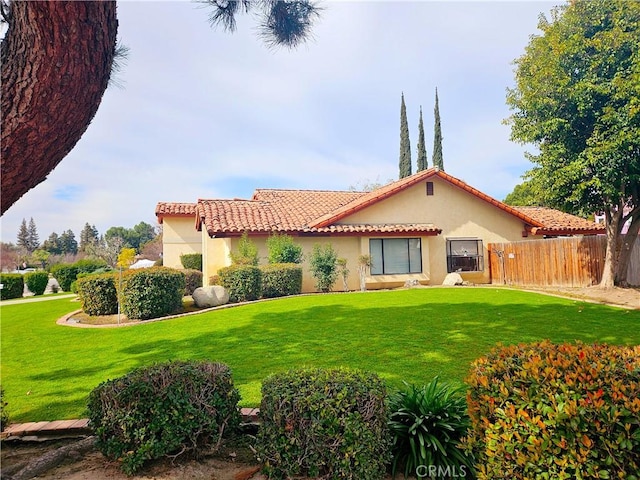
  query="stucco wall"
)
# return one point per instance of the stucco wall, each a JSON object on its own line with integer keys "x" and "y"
{"x": 455, "y": 211}
{"x": 179, "y": 236}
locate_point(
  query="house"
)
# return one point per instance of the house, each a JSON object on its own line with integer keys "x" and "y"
{"x": 418, "y": 228}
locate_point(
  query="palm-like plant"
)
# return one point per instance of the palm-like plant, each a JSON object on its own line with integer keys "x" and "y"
{"x": 427, "y": 424}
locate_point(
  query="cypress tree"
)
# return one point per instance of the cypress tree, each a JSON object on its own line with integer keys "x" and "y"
{"x": 437, "y": 138}
{"x": 405, "y": 144}
{"x": 34, "y": 240}
{"x": 422, "y": 150}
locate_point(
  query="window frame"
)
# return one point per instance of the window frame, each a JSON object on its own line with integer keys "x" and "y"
{"x": 478, "y": 256}
{"x": 411, "y": 266}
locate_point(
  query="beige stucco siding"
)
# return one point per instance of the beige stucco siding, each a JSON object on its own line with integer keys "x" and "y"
{"x": 457, "y": 212}
{"x": 179, "y": 237}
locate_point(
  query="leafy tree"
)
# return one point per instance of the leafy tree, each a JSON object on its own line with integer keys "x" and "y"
{"x": 53, "y": 244}
{"x": 282, "y": 249}
{"x": 437, "y": 159}
{"x": 41, "y": 257}
{"x": 247, "y": 252}
{"x": 9, "y": 256}
{"x": 35, "y": 55}
{"x": 577, "y": 99}
{"x": 126, "y": 257}
{"x": 405, "y": 144}
{"x": 134, "y": 237}
{"x": 68, "y": 242}
{"x": 324, "y": 266}
{"x": 422, "y": 149}
{"x": 526, "y": 194}
{"x": 88, "y": 235}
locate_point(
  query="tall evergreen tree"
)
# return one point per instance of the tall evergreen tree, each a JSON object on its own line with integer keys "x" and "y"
{"x": 422, "y": 149}
{"x": 53, "y": 244}
{"x": 23, "y": 235}
{"x": 34, "y": 240}
{"x": 405, "y": 144}
{"x": 68, "y": 242}
{"x": 437, "y": 138}
{"x": 88, "y": 236}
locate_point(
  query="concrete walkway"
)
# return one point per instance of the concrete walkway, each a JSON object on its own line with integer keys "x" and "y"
{"x": 39, "y": 298}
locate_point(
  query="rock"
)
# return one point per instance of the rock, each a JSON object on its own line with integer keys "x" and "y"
{"x": 411, "y": 283}
{"x": 453, "y": 279}
{"x": 213, "y": 296}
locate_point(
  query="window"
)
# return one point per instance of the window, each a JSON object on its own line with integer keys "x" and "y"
{"x": 395, "y": 255}
{"x": 465, "y": 255}
{"x": 429, "y": 188}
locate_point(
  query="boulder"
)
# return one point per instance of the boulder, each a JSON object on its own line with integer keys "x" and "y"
{"x": 213, "y": 296}
{"x": 453, "y": 279}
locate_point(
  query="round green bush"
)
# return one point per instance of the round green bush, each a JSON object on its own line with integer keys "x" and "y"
{"x": 324, "y": 423}
{"x": 37, "y": 282}
{"x": 12, "y": 286}
{"x": 191, "y": 261}
{"x": 193, "y": 280}
{"x": 167, "y": 409}
{"x": 281, "y": 279}
{"x": 98, "y": 294}
{"x": 65, "y": 274}
{"x": 243, "y": 282}
{"x": 151, "y": 292}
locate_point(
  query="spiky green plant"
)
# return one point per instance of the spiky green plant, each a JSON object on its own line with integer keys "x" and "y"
{"x": 427, "y": 424}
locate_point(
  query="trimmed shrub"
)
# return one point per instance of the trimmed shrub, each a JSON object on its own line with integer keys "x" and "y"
{"x": 12, "y": 286}
{"x": 427, "y": 424}
{"x": 98, "y": 294}
{"x": 193, "y": 280}
{"x": 246, "y": 253}
{"x": 4, "y": 414}
{"x": 281, "y": 279}
{"x": 324, "y": 266}
{"x": 282, "y": 249}
{"x": 561, "y": 411}
{"x": 165, "y": 409}
{"x": 91, "y": 265}
{"x": 324, "y": 423}
{"x": 36, "y": 282}
{"x": 65, "y": 274}
{"x": 243, "y": 282}
{"x": 151, "y": 292}
{"x": 191, "y": 261}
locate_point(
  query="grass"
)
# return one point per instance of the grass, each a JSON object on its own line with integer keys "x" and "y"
{"x": 412, "y": 335}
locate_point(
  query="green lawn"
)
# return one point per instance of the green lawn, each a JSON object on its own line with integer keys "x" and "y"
{"x": 411, "y": 335}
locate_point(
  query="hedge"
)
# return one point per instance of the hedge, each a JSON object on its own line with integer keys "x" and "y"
{"x": 36, "y": 282}
{"x": 12, "y": 286}
{"x": 65, "y": 274}
{"x": 193, "y": 280}
{"x": 98, "y": 294}
{"x": 556, "y": 411}
{"x": 281, "y": 279}
{"x": 191, "y": 261}
{"x": 243, "y": 282}
{"x": 163, "y": 410}
{"x": 151, "y": 292}
{"x": 324, "y": 423}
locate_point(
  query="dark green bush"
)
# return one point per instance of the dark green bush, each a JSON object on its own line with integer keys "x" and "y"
{"x": 191, "y": 261}
{"x": 98, "y": 294}
{"x": 4, "y": 414}
{"x": 91, "y": 265}
{"x": 243, "y": 282}
{"x": 556, "y": 411}
{"x": 427, "y": 425}
{"x": 151, "y": 292}
{"x": 193, "y": 280}
{"x": 166, "y": 409}
{"x": 281, "y": 279}
{"x": 36, "y": 282}
{"x": 12, "y": 286}
{"x": 65, "y": 274}
{"x": 324, "y": 423}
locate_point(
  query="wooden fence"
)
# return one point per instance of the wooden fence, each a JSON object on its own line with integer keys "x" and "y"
{"x": 560, "y": 262}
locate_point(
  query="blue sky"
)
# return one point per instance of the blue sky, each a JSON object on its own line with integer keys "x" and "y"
{"x": 207, "y": 114}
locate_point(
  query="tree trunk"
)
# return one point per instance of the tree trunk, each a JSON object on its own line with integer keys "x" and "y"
{"x": 626, "y": 248}
{"x": 612, "y": 217}
{"x": 56, "y": 61}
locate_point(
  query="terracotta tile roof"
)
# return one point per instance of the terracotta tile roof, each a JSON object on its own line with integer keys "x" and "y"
{"x": 175, "y": 209}
{"x": 555, "y": 222}
{"x": 392, "y": 188}
{"x": 289, "y": 211}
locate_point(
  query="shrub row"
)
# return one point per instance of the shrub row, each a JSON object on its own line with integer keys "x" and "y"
{"x": 146, "y": 293}
{"x": 171, "y": 408}
{"x": 556, "y": 411}
{"x": 12, "y": 286}
{"x": 67, "y": 273}
{"x": 249, "y": 282}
